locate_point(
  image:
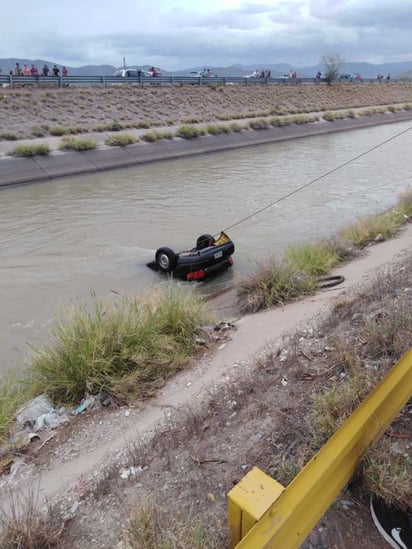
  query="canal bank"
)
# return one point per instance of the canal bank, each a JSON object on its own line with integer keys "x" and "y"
{"x": 15, "y": 171}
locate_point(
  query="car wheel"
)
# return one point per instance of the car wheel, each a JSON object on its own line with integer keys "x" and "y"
{"x": 166, "y": 259}
{"x": 204, "y": 241}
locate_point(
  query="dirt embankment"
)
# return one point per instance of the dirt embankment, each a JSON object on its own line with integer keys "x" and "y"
{"x": 33, "y": 112}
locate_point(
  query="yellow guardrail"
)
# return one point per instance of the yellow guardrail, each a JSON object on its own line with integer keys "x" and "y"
{"x": 263, "y": 515}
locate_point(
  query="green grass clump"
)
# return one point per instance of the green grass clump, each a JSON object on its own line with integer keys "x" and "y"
{"x": 38, "y": 131}
{"x": 260, "y": 124}
{"x": 8, "y": 136}
{"x": 236, "y": 127}
{"x": 301, "y": 119}
{"x": 329, "y": 116}
{"x": 125, "y": 350}
{"x": 11, "y": 397}
{"x": 369, "y": 229}
{"x": 279, "y": 122}
{"x": 405, "y": 203}
{"x": 274, "y": 283}
{"x": 213, "y": 129}
{"x": 150, "y": 136}
{"x": 116, "y": 126}
{"x": 121, "y": 140}
{"x": 57, "y": 131}
{"x": 189, "y": 132}
{"x": 144, "y": 124}
{"x": 164, "y": 134}
{"x": 30, "y": 150}
{"x": 77, "y": 144}
{"x": 315, "y": 259}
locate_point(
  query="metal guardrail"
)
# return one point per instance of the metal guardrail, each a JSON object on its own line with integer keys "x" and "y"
{"x": 295, "y": 512}
{"x": 104, "y": 81}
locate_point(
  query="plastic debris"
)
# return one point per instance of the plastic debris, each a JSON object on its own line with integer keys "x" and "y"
{"x": 85, "y": 404}
{"x": 33, "y": 410}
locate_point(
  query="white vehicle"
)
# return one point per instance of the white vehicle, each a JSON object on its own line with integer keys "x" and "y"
{"x": 131, "y": 73}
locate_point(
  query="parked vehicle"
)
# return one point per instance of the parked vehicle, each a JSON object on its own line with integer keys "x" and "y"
{"x": 202, "y": 74}
{"x": 132, "y": 73}
{"x": 154, "y": 71}
{"x": 209, "y": 256}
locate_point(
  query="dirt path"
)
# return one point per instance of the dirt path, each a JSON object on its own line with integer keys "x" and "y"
{"x": 97, "y": 439}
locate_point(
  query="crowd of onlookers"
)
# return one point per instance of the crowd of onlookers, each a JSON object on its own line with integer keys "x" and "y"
{"x": 25, "y": 70}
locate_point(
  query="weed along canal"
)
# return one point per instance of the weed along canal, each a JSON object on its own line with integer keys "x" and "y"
{"x": 66, "y": 240}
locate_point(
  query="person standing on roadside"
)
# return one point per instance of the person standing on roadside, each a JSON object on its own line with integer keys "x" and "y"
{"x": 65, "y": 72}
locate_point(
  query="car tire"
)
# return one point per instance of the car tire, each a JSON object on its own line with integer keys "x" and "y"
{"x": 204, "y": 241}
{"x": 330, "y": 281}
{"x": 166, "y": 259}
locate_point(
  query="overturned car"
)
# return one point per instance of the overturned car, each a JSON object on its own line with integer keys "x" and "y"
{"x": 210, "y": 256}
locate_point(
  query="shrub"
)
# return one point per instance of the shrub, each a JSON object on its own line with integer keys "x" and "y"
{"x": 236, "y": 127}
{"x": 116, "y": 126}
{"x": 279, "y": 122}
{"x": 150, "y": 137}
{"x": 368, "y": 229}
{"x": 329, "y": 116}
{"x": 274, "y": 282}
{"x": 188, "y": 132}
{"x": 224, "y": 128}
{"x": 121, "y": 140}
{"x": 213, "y": 129}
{"x": 28, "y": 151}
{"x": 164, "y": 134}
{"x": 260, "y": 124}
{"x": 38, "y": 131}
{"x": 301, "y": 119}
{"x": 57, "y": 130}
{"x": 79, "y": 144}
{"x": 9, "y": 136}
{"x": 315, "y": 259}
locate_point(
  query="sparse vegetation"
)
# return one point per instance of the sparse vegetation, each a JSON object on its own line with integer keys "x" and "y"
{"x": 151, "y": 526}
{"x": 30, "y": 150}
{"x": 77, "y": 144}
{"x": 189, "y": 132}
{"x": 121, "y": 140}
{"x": 57, "y": 131}
{"x": 25, "y": 527}
{"x": 8, "y": 136}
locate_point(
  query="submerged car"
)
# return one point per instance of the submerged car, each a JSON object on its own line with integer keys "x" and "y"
{"x": 208, "y": 257}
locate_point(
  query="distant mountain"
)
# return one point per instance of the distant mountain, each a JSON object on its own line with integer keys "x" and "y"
{"x": 367, "y": 70}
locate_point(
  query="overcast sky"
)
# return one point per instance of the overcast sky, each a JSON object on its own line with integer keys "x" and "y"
{"x": 177, "y": 34}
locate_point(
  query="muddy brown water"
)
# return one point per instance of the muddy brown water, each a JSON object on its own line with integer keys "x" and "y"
{"x": 63, "y": 241}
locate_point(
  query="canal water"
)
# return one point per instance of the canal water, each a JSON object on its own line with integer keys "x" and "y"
{"x": 63, "y": 241}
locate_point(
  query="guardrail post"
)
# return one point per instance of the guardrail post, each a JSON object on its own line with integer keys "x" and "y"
{"x": 249, "y": 500}
{"x": 103, "y": 81}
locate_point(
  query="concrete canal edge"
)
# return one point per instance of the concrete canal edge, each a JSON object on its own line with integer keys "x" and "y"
{"x": 15, "y": 171}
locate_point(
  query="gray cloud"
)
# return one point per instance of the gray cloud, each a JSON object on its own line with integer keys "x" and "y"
{"x": 175, "y": 35}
